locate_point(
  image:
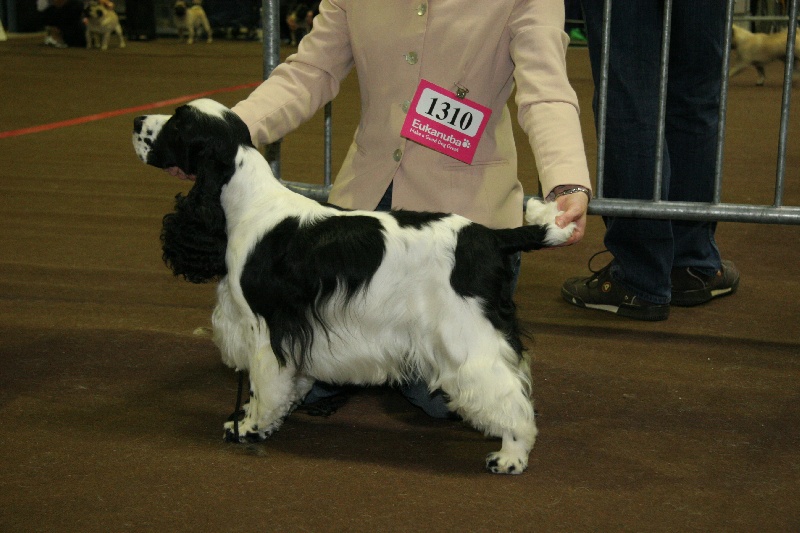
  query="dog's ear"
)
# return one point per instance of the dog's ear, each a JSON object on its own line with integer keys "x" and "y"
{"x": 211, "y": 157}
{"x": 210, "y": 143}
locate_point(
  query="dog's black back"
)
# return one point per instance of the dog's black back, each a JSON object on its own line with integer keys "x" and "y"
{"x": 295, "y": 269}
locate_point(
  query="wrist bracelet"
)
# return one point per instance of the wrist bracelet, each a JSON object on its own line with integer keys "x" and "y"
{"x": 572, "y": 189}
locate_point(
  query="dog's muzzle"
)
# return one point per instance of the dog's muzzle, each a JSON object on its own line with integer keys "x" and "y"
{"x": 138, "y": 122}
{"x": 145, "y": 131}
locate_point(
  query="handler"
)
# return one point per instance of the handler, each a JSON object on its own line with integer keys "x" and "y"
{"x": 431, "y": 71}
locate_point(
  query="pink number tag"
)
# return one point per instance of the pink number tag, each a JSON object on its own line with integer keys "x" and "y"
{"x": 443, "y": 122}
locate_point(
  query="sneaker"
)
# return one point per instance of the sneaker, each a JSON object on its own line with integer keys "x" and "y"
{"x": 577, "y": 35}
{"x": 601, "y": 291}
{"x": 689, "y": 287}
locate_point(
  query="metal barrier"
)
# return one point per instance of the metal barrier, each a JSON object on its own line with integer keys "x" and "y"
{"x": 270, "y": 22}
{"x": 659, "y": 208}
{"x": 715, "y": 210}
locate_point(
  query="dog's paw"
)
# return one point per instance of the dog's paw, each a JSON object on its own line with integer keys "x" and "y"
{"x": 504, "y": 463}
{"x": 245, "y": 431}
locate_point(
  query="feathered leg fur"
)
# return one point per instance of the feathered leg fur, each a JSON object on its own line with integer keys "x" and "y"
{"x": 275, "y": 389}
{"x": 488, "y": 383}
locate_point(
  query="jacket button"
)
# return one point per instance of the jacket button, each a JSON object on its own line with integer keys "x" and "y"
{"x": 412, "y": 58}
{"x": 422, "y": 9}
{"x": 397, "y": 154}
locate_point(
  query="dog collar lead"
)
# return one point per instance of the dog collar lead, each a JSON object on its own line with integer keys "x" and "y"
{"x": 238, "y": 411}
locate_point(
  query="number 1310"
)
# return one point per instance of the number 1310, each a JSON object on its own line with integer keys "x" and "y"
{"x": 444, "y": 112}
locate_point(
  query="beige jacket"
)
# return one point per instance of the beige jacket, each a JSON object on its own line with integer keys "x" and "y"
{"x": 483, "y": 45}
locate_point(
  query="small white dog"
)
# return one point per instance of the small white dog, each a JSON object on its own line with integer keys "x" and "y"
{"x": 101, "y": 22}
{"x": 189, "y": 20}
{"x": 758, "y": 49}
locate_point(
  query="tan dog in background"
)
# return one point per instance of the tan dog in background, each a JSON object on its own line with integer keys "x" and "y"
{"x": 191, "y": 19}
{"x": 758, "y": 49}
{"x": 101, "y": 22}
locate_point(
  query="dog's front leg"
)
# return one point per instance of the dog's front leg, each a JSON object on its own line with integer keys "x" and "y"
{"x": 273, "y": 395}
{"x": 512, "y": 458}
{"x": 106, "y": 38}
{"x": 762, "y": 75}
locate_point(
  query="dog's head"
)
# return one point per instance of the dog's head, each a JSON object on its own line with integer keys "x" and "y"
{"x": 202, "y": 138}
{"x": 95, "y": 11}
{"x": 179, "y": 8}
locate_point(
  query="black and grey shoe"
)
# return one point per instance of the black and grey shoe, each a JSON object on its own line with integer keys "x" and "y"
{"x": 689, "y": 287}
{"x": 602, "y": 292}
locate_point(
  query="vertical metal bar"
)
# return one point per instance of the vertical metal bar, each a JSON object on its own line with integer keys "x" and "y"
{"x": 270, "y": 22}
{"x": 270, "y": 26}
{"x": 723, "y": 102}
{"x": 602, "y": 98}
{"x": 787, "y": 97}
{"x": 658, "y": 172}
{"x": 328, "y": 142}
{"x": 11, "y": 16}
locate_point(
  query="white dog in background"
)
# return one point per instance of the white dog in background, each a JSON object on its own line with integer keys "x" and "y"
{"x": 101, "y": 22}
{"x": 759, "y": 49}
{"x": 191, "y": 19}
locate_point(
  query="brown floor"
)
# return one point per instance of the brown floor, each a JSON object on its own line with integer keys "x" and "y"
{"x": 111, "y": 409}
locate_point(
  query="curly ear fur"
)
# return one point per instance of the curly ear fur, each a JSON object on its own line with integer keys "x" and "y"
{"x": 194, "y": 238}
{"x": 202, "y": 138}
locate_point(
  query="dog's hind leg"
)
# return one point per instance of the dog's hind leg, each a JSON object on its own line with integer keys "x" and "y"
{"x": 490, "y": 389}
{"x": 737, "y": 68}
{"x": 495, "y": 399}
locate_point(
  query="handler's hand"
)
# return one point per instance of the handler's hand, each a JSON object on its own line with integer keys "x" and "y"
{"x": 574, "y": 208}
{"x": 180, "y": 174}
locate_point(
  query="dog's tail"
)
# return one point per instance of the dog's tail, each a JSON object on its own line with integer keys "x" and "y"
{"x": 541, "y": 232}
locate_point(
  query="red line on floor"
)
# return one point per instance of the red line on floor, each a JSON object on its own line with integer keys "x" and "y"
{"x": 117, "y": 112}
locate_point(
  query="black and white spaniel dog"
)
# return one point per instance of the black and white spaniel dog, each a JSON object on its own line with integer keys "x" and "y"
{"x": 312, "y": 292}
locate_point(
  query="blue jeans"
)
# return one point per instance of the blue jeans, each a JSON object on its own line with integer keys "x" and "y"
{"x": 646, "y": 250}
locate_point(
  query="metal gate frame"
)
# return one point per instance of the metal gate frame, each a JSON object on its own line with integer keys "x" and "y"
{"x": 658, "y": 208}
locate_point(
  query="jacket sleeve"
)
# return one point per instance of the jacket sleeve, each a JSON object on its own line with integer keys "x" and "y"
{"x": 547, "y": 104}
{"x": 305, "y": 82}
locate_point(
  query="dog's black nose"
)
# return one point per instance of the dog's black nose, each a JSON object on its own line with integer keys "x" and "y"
{"x": 137, "y": 124}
